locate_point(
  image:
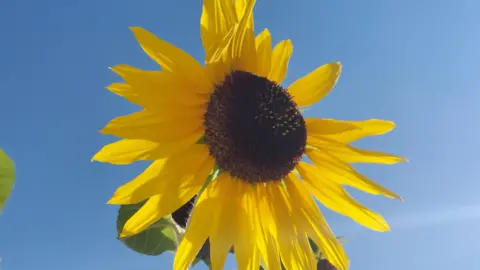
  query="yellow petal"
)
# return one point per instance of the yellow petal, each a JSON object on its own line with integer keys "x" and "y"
{"x": 200, "y": 225}
{"x": 240, "y": 6}
{"x": 235, "y": 49}
{"x": 288, "y": 237}
{"x": 310, "y": 219}
{"x": 128, "y": 151}
{"x": 175, "y": 176}
{"x": 174, "y": 194}
{"x": 334, "y": 197}
{"x": 365, "y": 128}
{"x": 280, "y": 58}
{"x": 312, "y": 88}
{"x": 351, "y": 154}
{"x": 265, "y": 229}
{"x": 304, "y": 253}
{"x": 155, "y": 89}
{"x": 246, "y": 250}
{"x": 225, "y": 227}
{"x": 218, "y": 18}
{"x": 146, "y": 125}
{"x": 263, "y": 44}
{"x": 173, "y": 59}
{"x": 219, "y": 65}
{"x": 243, "y": 44}
{"x": 126, "y": 91}
{"x": 143, "y": 218}
{"x": 305, "y": 248}
{"x": 164, "y": 110}
{"x": 344, "y": 174}
{"x": 317, "y": 126}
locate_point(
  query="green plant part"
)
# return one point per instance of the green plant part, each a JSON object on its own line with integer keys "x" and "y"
{"x": 163, "y": 235}
{"x": 7, "y": 177}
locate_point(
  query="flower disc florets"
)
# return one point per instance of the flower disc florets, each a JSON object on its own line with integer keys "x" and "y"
{"x": 254, "y": 129}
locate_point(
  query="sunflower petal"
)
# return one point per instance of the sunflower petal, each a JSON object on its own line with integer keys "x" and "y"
{"x": 219, "y": 65}
{"x": 280, "y": 59}
{"x": 309, "y": 218}
{"x": 175, "y": 177}
{"x": 317, "y": 126}
{"x": 371, "y": 127}
{"x": 223, "y": 232}
{"x": 246, "y": 250}
{"x": 148, "y": 214}
{"x": 263, "y": 44}
{"x": 316, "y": 85}
{"x": 200, "y": 225}
{"x": 243, "y": 43}
{"x": 218, "y": 18}
{"x": 240, "y": 6}
{"x": 344, "y": 174}
{"x": 266, "y": 229}
{"x": 173, "y": 59}
{"x": 293, "y": 257}
{"x": 129, "y": 93}
{"x": 146, "y": 125}
{"x": 127, "y": 151}
{"x": 163, "y": 110}
{"x": 155, "y": 89}
{"x": 304, "y": 245}
{"x": 352, "y": 154}
{"x": 334, "y": 197}
{"x": 172, "y": 197}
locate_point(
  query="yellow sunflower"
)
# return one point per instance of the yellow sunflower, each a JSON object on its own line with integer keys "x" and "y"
{"x": 231, "y": 117}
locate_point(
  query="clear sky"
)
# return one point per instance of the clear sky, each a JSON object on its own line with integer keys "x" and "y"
{"x": 414, "y": 62}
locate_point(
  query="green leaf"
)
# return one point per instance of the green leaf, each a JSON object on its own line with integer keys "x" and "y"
{"x": 162, "y": 236}
{"x": 7, "y": 177}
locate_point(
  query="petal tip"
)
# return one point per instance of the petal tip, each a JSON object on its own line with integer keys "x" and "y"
{"x": 392, "y": 195}
{"x": 96, "y": 157}
{"x": 389, "y": 122}
{"x": 125, "y": 234}
{"x": 128, "y": 230}
{"x": 385, "y": 227}
{"x": 103, "y": 131}
{"x": 135, "y": 28}
{"x": 117, "y": 69}
{"x": 113, "y": 200}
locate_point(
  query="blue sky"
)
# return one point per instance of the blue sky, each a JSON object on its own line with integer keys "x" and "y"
{"x": 414, "y": 62}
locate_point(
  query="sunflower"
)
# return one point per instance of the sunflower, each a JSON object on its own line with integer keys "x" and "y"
{"x": 230, "y": 121}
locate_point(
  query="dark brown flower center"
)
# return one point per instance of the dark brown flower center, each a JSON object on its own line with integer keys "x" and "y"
{"x": 253, "y": 128}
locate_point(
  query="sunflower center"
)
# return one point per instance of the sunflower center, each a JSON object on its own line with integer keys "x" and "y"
{"x": 253, "y": 128}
